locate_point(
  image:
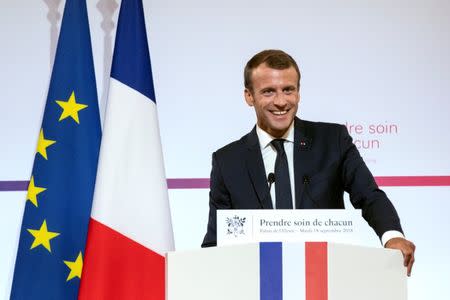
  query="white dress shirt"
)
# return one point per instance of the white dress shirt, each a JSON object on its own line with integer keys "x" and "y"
{"x": 269, "y": 155}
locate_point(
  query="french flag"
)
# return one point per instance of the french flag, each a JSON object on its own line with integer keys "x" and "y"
{"x": 130, "y": 228}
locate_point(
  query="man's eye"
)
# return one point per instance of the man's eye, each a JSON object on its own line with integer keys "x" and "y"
{"x": 289, "y": 91}
{"x": 267, "y": 92}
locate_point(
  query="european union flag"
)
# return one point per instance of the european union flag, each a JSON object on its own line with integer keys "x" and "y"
{"x": 54, "y": 227}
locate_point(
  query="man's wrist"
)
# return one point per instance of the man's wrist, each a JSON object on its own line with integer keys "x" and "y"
{"x": 390, "y": 234}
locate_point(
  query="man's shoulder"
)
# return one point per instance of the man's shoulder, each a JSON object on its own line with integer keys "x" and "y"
{"x": 320, "y": 125}
{"x": 321, "y": 130}
{"x": 235, "y": 147}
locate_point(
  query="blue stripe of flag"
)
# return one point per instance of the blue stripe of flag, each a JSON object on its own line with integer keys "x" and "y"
{"x": 271, "y": 271}
{"x": 131, "y": 62}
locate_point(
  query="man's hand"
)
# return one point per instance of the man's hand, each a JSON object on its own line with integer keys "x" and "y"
{"x": 407, "y": 249}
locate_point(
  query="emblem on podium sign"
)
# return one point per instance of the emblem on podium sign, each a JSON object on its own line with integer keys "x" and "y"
{"x": 235, "y": 225}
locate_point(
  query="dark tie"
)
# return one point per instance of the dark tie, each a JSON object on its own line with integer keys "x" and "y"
{"x": 282, "y": 182}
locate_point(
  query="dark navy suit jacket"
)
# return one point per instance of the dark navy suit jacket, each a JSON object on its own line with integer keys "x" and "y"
{"x": 326, "y": 163}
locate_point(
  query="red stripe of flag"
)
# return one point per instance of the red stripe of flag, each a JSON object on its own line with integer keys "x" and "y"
{"x": 114, "y": 253}
{"x": 316, "y": 269}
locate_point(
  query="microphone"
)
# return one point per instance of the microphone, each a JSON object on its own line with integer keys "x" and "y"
{"x": 306, "y": 181}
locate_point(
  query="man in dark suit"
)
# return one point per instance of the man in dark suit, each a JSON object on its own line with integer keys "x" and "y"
{"x": 310, "y": 164}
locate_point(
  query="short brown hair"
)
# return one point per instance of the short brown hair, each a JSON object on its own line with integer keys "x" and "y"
{"x": 275, "y": 59}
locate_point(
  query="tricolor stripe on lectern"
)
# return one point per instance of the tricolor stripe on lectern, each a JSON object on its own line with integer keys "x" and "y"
{"x": 285, "y": 281}
{"x": 130, "y": 228}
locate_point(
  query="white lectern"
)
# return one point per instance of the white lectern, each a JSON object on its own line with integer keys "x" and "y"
{"x": 282, "y": 271}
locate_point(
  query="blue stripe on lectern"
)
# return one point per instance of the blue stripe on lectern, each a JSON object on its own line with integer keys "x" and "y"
{"x": 270, "y": 271}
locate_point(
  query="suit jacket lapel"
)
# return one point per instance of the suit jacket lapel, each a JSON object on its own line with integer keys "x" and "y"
{"x": 257, "y": 172}
{"x": 302, "y": 154}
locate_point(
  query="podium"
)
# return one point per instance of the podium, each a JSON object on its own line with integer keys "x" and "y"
{"x": 286, "y": 271}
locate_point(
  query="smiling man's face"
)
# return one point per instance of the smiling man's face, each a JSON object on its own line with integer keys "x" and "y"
{"x": 275, "y": 96}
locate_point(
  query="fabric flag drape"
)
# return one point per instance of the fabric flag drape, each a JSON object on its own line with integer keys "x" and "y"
{"x": 130, "y": 228}
{"x": 55, "y": 222}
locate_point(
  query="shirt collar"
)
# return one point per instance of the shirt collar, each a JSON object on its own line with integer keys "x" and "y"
{"x": 265, "y": 138}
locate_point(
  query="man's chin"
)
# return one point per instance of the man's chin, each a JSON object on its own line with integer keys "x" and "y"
{"x": 279, "y": 130}
{"x": 282, "y": 123}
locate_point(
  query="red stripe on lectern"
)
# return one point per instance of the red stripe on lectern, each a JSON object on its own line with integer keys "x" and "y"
{"x": 413, "y": 180}
{"x": 116, "y": 267}
{"x": 316, "y": 269}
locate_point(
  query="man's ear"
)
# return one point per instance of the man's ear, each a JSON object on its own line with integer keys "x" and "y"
{"x": 249, "y": 97}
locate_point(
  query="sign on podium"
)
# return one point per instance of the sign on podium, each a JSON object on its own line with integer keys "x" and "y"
{"x": 346, "y": 226}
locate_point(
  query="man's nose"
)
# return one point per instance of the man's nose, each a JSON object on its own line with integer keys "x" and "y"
{"x": 279, "y": 99}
